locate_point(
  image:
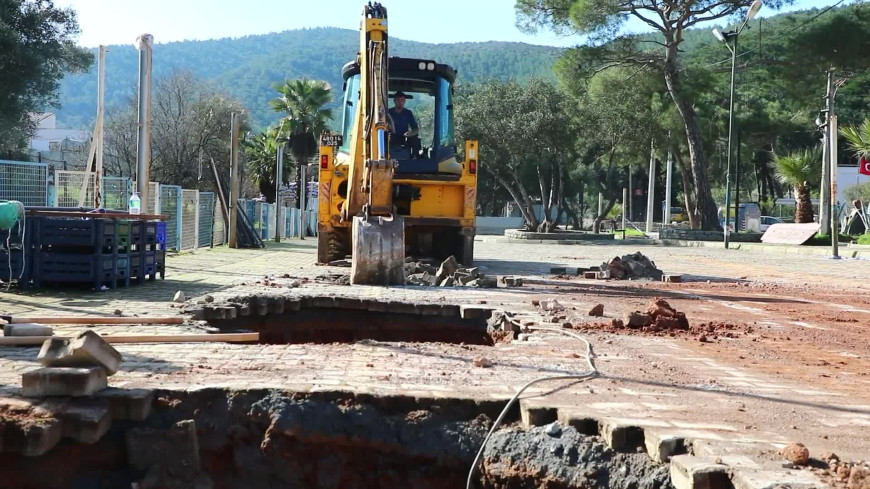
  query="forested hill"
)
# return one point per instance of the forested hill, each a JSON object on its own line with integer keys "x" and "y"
{"x": 247, "y": 67}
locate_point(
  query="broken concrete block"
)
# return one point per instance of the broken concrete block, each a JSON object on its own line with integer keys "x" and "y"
{"x": 447, "y": 269}
{"x": 88, "y": 349}
{"x": 690, "y": 472}
{"x": 674, "y": 279}
{"x": 56, "y": 381}
{"x": 27, "y": 329}
{"x": 661, "y": 447}
{"x": 474, "y": 312}
{"x": 597, "y": 311}
{"x": 488, "y": 282}
{"x": 128, "y": 404}
{"x": 84, "y": 421}
{"x": 512, "y": 281}
{"x": 605, "y": 275}
{"x": 592, "y": 274}
{"x": 637, "y": 319}
{"x": 179, "y": 297}
{"x": 447, "y": 282}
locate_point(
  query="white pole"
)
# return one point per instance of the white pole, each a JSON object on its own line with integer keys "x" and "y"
{"x": 650, "y": 193}
{"x": 835, "y": 222}
{"x": 278, "y": 177}
{"x": 600, "y": 203}
{"x": 98, "y": 133}
{"x": 143, "y": 166}
{"x": 302, "y": 202}
{"x": 666, "y": 219}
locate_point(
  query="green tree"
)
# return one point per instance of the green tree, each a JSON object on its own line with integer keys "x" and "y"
{"x": 527, "y": 142}
{"x": 799, "y": 169}
{"x": 261, "y": 151}
{"x": 304, "y": 104}
{"x": 36, "y": 48}
{"x": 609, "y": 46}
{"x": 858, "y": 138}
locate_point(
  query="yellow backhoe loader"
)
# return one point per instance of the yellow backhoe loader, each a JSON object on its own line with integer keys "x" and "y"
{"x": 392, "y": 182}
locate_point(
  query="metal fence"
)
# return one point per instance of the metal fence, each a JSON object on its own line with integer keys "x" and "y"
{"x": 73, "y": 188}
{"x": 170, "y": 204}
{"x": 205, "y": 219}
{"x": 24, "y": 182}
{"x": 262, "y": 217}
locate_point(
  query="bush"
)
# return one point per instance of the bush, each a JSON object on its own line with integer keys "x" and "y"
{"x": 860, "y": 191}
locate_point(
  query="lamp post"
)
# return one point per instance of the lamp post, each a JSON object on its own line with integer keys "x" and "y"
{"x": 725, "y": 37}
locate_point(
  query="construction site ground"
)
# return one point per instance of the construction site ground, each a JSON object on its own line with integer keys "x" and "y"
{"x": 786, "y": 358}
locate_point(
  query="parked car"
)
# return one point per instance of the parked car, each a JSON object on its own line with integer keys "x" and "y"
{"x": 767, "y": 221}
{"x": 678, "y": 214}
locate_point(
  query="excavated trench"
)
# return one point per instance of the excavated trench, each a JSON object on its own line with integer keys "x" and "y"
{"x": 265, "y": 438}
{"x": 328, "y": 319}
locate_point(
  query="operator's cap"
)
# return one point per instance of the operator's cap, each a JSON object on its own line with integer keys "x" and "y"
{"x": 402, "y": 94}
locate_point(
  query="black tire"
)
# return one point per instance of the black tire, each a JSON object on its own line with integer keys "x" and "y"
{"x": 338, "y": 246}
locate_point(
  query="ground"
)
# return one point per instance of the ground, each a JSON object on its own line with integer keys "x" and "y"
{"x": 787, "y": 358}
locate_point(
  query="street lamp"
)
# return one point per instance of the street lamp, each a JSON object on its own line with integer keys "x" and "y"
{"x": 724, "y": 37}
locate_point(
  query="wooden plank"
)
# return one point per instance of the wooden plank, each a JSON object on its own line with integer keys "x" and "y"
{"x": 93, "y": 320}
{"x": 180, "y": 338}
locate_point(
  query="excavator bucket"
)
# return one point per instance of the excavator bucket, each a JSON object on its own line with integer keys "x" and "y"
{"x": 378, "y": 250}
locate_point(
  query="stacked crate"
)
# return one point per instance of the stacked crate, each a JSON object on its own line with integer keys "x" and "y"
{"x": 148, "y": 255}
{"x": 75, "y": 250}
{"x": 16, "y": 253}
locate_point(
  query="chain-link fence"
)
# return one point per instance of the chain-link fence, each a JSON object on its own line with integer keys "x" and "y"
{"x": 73, "y": 188}
{"x": 170, "y": 204}
{"x": 24, "y": 182}
{"x": 205, "y": 219}
{"x": 189, "y": 218}
{"x": 116, "y": 193}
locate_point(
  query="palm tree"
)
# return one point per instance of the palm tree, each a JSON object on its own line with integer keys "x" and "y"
{"x": 798, "y": 169}
{"x": 858, "y": 138}
{"x": 303, "y": 103}
{"x": 261, "y": 151}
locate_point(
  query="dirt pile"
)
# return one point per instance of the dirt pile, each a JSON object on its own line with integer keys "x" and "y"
{"x": 634, "y": 266}
{"x": 659, "y": 316}
{"x": 841, "y": 474}
{"x": 559, "y": 456}
{"x": 446, "y": 274}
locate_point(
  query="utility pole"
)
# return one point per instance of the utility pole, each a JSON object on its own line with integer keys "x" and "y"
{"x": 650, "y": 193}
{"x": 278, "y": 177}
{"x": 98, "y": 130}
{"x": 825, "y": 197}
{"x": 727, "y": 231}
{"x": 233, "y": 239}
{"x": 835, "y": 225}
{"x": 737, "y": 221}
{"x": 302, "y": 192}
{"x": 600, "y": 203}
{"x": 666, "y": 216}
{"x": 143, "y": 161}
{"x": 630, "y": 194}
{"x": 625, "y": 202}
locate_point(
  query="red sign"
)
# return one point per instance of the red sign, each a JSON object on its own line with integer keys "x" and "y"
{"x": 864, "y": 166}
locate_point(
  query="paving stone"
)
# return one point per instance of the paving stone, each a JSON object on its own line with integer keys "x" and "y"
{"x": 621, "y": 437}
{"x": 88, "y": 349}
{"x": 60, "y": 381}
{"x": 85, "y": 420}
{"x": 690, "y": 472}
{"x": 538, "y": 416}
{"x": 662, "y": 446}
{"x": 128, "y": 404}
{"x": 27, "y": 329}
{"x": 474, "y": 312}
{"x": 747, "y": 478}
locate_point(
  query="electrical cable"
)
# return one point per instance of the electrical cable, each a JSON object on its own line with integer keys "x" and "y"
{"x": 591, "y": 373}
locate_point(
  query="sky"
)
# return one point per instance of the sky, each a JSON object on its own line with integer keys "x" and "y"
{"x": 441, "y": 21}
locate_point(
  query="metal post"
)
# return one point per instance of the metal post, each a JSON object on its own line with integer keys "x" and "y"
{"x": 666, "y": 218}
{"x": 233, "y": 236}
{"x": 600, "y": 203}
{"x": 624, "y": 206}
{"x": 302, "y": 192}
{"x": 730, "y": 147}
{"x": 143, "y": 161}
{"x": 650, "y": 193}
{"x": 630, "y": 194}
{"x": 835, "y": 224}
{"x": 278, "y": 178}
{"x": 98, "y": 132}
{"x": 737, "y": 221}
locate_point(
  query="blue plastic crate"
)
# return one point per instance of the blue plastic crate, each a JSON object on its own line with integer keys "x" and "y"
{"x": 86, "y": 236}
{"x": 160, "y": 233}
{"x": 95, "y": 269}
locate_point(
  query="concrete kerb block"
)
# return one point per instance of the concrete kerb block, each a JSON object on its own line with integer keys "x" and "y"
{"x": 662, "y": 446}
{"x": 474, "y": 312}
{"x": 747, "y": 478}
{"x": 72, "y": 382}
{"x": 27, "y": 329}
{"x": 690, "y": 472}
{"x": 621, "y": 438}
{"x": 88, "y": 349}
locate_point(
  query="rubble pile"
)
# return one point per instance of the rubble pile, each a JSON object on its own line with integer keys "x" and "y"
{"x": 634, "y": 266}
{"x": 446, "y": 274}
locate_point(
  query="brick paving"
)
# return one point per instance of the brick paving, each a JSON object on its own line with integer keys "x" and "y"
{"x": 703, "y": 409}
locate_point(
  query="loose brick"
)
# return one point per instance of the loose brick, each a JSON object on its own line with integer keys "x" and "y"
{"x": 88, "y": 349}
{"x": 58, "y": 381}
{"x": 128, "y": 404}
{"x": 85, "y": 421}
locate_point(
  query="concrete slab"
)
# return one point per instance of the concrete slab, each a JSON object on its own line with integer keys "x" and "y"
{"x": 690, "y": 472}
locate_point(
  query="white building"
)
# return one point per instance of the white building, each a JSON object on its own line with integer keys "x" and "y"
{"x": 53, "y": 145}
